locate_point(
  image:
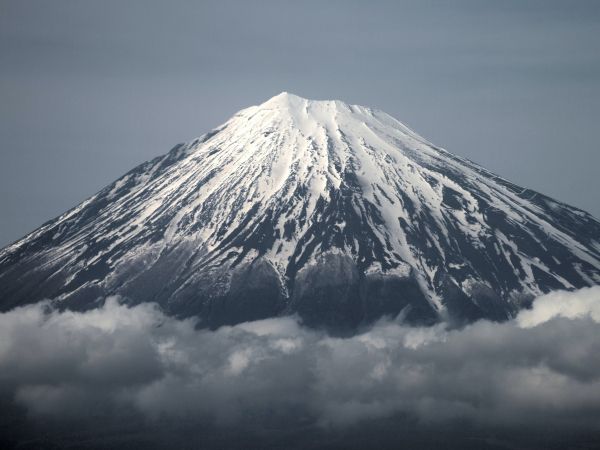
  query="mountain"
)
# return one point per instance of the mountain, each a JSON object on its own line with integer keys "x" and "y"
{"x": 336, "y": 212}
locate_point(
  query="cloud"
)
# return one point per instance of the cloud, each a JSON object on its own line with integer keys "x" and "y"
{"x": 539, "y": 370}
{"x": 572, "y": 305}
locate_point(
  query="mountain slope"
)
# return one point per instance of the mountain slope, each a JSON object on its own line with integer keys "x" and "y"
{"x": 337, "y": 212}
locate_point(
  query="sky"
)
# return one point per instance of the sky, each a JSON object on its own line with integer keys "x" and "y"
{"x": 90, "y": 89}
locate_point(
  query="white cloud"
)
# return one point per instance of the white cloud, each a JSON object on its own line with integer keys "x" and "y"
{"x": 541, "y": 368}
{"x": 572, "y": 305}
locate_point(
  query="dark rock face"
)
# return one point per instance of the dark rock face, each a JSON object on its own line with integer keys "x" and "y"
{"x": 335, "y": 212}
{"x": 327, "y": 293}
{"x": 255, "y": 293}
{"x": 392, "y": 296}
{"x": 334, "y": 295}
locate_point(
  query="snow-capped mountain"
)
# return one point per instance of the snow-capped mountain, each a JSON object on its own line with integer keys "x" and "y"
{"x": 336, "y": 212}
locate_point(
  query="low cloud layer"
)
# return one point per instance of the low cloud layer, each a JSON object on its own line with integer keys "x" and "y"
{"x": 540, "y": 369}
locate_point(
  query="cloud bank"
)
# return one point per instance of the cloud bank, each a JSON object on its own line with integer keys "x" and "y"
{"x": 539, "y": 370}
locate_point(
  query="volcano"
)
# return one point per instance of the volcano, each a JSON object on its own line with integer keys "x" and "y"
{"x": 337, "y": 213}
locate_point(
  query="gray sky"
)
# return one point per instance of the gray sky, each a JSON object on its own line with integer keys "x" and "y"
{"x": 89, "y": 89}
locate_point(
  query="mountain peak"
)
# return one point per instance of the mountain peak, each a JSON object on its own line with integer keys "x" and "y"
{"x": 289, "y": 100}
{"x": 284, "y": 99}
{"x": 319, "y": 120}
{"x": 284, "y": 95}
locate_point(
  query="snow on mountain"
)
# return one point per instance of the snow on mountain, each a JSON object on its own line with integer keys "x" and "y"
{"x": 336, "y": 212}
